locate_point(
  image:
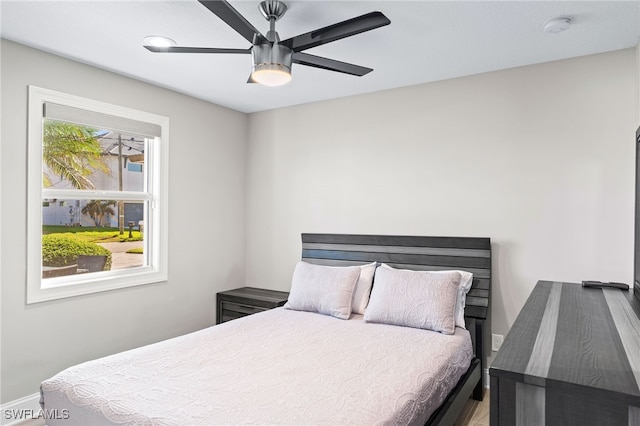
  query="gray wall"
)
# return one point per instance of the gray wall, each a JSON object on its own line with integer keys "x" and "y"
{"x": 206, "y": 226}
{"x": 539, "y": 158}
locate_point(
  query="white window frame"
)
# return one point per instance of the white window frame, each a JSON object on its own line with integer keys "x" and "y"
{"x": 156, "y": 231}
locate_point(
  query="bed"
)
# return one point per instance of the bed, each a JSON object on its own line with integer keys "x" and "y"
{"x": 291, "y": 366}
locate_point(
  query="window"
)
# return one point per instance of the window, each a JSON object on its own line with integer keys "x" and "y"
{"x": 97, "y": 196}
{"x": 133, "y": 167}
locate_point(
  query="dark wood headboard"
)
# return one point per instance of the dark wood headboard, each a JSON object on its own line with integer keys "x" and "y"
{"x": 418, "y": 253}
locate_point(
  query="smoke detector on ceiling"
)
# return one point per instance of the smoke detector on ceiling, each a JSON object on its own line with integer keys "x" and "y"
{"x": 557, "y": 25}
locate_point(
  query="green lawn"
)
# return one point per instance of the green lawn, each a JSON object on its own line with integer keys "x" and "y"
{"x": 94, "y": 235}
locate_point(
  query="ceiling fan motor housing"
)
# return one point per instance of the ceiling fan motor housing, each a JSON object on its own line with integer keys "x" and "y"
{"x": 269, "y": 56}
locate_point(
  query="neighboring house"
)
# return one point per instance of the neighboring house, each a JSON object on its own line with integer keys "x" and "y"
{"x": 69, "y": 212}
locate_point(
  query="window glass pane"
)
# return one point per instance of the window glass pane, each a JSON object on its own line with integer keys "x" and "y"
{"x": 84, "y": 236}
{"x": 81, "y": 157}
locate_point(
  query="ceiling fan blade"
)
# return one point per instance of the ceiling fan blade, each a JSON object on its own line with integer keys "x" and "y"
{"x": 329, "y": 64}
{"x": 337, "y": 31}
{"x": 181, "y": 49}
{"x": 232, "y": 17}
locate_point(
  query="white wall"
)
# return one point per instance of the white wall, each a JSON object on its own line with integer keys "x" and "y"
{"x": 539, "y": 158}
{"x": 206, "y": 226}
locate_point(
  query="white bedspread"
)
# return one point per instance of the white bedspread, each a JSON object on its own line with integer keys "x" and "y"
{"x": 275, "y": 367}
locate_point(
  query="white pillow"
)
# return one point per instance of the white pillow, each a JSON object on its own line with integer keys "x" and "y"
{"x": 416, "y": 299}
{"x": 463, "y": 289}
{"x": 323, "y": 289}
{"x": 363, "y": 288}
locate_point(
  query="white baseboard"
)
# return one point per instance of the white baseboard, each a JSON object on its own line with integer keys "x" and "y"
{"x": 15, "y": 412}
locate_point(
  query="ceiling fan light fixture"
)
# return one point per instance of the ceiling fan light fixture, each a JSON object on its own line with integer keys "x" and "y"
{"x": 158, "y": 41}
{"x": 271, "y": 64}
{"x": 271, "y": 74}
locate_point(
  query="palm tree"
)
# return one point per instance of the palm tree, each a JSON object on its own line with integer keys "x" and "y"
{"x": 97, "y": 210}
{"x": 72, "y": 152}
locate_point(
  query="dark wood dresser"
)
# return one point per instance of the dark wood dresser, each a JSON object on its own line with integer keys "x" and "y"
{"x": 240, "y": 302}
{"x": 572, "y": 357}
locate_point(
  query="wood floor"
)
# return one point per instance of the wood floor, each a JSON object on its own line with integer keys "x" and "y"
{"x": 475, "y": 413}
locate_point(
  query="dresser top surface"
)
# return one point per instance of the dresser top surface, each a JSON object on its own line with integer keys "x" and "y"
{"x": 566, "y": 333}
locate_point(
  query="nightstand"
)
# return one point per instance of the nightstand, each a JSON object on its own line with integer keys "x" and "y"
{"x": 240, "y": 302}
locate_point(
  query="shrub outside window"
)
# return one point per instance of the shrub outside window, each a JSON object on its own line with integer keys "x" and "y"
{"x": 97, "y": 196}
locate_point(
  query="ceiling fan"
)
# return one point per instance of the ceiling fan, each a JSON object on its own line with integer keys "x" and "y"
{"x": 272, "y": 58}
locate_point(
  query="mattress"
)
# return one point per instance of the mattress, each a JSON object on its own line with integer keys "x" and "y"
{"x": 275, "y": 367}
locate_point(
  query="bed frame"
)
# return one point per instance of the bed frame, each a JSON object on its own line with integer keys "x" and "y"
{"x": 425, "y": 253}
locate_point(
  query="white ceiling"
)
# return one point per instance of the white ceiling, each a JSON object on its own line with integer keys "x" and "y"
{"x": 426, "y": 41}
